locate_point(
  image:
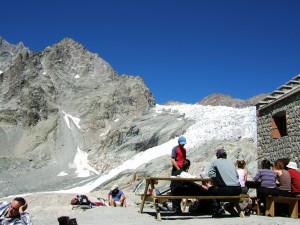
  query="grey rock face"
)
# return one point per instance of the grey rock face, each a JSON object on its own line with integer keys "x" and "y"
{"x": 8, "y": 53}
{"x": 38, "y": 89}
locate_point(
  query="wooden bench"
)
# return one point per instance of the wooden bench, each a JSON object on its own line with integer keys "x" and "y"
{"x": 156, "y": 199}
{"x": 292, "y": 203}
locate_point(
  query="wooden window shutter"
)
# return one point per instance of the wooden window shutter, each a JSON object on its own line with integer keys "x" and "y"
{"x": 275, "y": 131}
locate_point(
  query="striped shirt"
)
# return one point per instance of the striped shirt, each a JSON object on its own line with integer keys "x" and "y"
{"x": 267, "y": 178}
{"x": 23, "y": 220}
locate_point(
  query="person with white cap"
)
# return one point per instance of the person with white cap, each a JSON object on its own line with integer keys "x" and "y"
{"x": 178, "y": 155}
{"x": 116, "y": 197}
{"x": 295, "y": 177}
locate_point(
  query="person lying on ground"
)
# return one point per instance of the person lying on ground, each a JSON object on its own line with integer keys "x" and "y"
{"x": 13, "y": 213}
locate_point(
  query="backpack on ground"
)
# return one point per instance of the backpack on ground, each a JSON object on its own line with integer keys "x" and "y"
{"x": 80, "y": 200}
{"x": 74, "y": 201}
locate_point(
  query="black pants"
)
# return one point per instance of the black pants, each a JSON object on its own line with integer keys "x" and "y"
{"x": 188, "y": 189}
{"x": 223, "y": 191}
{"x": 262, "y": 192}
{"x": 173, "y": 171}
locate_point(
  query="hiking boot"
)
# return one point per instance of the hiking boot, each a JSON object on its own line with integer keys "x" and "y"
{"x": 72, "y": 222}
{"x": 177, "y": 211}
{"x": 176, "y": 206}
{"x": 63, "y": 220}
{"x": 234, "y": 213}
{"x": 229, "y": 207}
{"x": 247, "y": 212}
{"x": 218, "y": 213}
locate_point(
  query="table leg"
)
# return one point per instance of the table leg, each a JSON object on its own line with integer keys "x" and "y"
{"x": 144, "y": 196}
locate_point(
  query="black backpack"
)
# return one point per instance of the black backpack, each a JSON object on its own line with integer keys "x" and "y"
{"x": 83, "y": 200}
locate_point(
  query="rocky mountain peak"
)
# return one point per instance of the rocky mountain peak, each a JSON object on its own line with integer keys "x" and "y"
{"x": 78, "y": 60}
{"x": 218, "y": 99}
{"x": 9, "y": 52}
{"x": 69, "y": 41}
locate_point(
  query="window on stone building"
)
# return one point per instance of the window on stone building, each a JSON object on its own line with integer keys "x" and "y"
{"x": 279, "y": 125}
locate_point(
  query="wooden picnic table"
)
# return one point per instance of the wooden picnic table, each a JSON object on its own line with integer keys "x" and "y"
{"x": 152, "y": 196}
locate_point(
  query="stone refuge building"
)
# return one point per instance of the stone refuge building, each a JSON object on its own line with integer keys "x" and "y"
{"x": 278, "y": 123}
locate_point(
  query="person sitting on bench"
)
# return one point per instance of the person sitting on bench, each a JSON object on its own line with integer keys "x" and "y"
{"x": 225, "y": 182}
{"x": 267, "y": 177}
{"x": 284, "y": 178}
{"x": 181, "y": 188}
{"x": 295, "y": 177}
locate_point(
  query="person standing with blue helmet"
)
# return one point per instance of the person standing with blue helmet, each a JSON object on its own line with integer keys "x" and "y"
{"x": 178, "y": 155}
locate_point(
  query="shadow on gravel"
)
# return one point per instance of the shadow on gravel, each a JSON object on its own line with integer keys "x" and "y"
{"x": 184, "y": 216}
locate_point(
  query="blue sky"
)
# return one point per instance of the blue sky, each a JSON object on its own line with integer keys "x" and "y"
{"x": 184, "y": 50}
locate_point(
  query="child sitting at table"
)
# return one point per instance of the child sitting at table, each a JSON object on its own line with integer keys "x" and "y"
{"x": 181, "y": 188}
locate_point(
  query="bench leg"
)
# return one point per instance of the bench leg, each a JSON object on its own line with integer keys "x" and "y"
{"x": 292, "y": 206}
{"x": 293, "y": 209}
{"x": 157, "y": 210}
{"x": 270, "y": 206}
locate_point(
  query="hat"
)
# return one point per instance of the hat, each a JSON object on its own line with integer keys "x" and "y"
{"x": 115, "y": 186}
{"x": 221, "y": 151}
{"x": 292, "y": 165}
{"x": 182, "y": 140}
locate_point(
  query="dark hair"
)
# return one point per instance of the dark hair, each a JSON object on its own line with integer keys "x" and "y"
{"x": 222, "y": 155}
{"x": 240, "y": 164}
{"x": 186, "y": 164}
{"x": 20, "y": 200}
{"x": 265, "y": 164}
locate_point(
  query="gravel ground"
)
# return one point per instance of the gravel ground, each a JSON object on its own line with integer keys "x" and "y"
{"x": 44, "y": 209}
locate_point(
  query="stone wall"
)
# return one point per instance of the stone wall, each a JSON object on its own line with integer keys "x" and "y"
{"x": 286, "y": 146}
